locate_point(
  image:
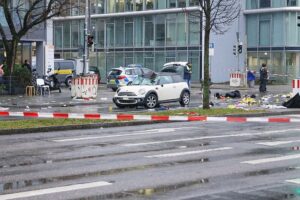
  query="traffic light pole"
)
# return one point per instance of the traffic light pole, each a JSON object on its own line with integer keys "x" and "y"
{"x": 86, "y": 49}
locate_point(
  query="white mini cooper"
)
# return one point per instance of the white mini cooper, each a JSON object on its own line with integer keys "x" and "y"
{"x": 152, "y": 91}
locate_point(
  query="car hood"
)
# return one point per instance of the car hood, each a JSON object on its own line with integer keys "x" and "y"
{"x": 136, "y": 88}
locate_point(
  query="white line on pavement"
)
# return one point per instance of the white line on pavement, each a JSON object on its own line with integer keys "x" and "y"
{"x": 209, "y": 137}
{"x": 188, "y": 153}
{"x": 53, "y": 190}
{"x": 276, "y": 143}
{"x": 296, "y": 181}
{"x": 146, "y": 132}
{"x": 274, "y": 159}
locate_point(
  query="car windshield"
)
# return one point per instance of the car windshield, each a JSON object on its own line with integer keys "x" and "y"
{"x": 145, "y": 81}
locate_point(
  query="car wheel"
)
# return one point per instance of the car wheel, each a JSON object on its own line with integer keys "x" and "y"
{"x": 151, "y": 101}
{"x": 68, "y": 82}
{"x": 184, "y": 98}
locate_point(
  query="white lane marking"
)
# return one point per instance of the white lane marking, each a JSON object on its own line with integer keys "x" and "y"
{"x": 53, "y": 190}
{"x": 276, "y": 143}
{"x": 146, "y": 132}
{"x": 188, "y": 153}
{"x": 296, "y": 181}
{"x": 209, "y": 137}
{"x": 274, "y": 159}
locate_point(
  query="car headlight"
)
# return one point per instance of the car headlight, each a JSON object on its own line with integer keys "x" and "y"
{"x": 142, "y": 92}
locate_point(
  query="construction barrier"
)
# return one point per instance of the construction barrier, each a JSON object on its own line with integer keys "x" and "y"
{"x": 130, "y": 117}
{"x": 84, "y": 87}
{"x": 237, "y": 79}
{"x": 296, "y": 86}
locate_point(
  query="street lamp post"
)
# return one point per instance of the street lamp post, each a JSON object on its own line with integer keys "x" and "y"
{"x": 86, "y": 33}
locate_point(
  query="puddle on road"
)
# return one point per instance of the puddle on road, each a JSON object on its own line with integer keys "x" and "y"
{"x": 273, "y": 150}
{"x": 269, "y": 171}
{"x": 34, "y": 182}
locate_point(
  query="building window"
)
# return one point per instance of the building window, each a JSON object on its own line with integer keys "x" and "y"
{"x": 181, "y": 4}
{"x": 149, "y": 4}
{"x": 160, "y": 30}
{"x": 111, "y": 6}
{"x": 110, "y": 35}
{"x": 160, "y": 4}
{"x": 149, "y": 32}
{"x": 129, "y": 5}
{"x": 291, "y": 3}
{"x": 129, "y": 34}
{"x": 194, "y": 2}
{"x": 264, "y": 33}
{"x": 139, "y": 5}
{"x": 119, "y": 5}
{"x": 265, "y": 3}
{"x": 138, "y": 24}
{"x": 172, "y": 4}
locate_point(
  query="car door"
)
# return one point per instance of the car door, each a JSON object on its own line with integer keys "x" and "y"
{"x": 165, "y": 89}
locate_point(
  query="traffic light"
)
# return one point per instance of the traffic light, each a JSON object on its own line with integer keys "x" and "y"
{"x": 234, "y": 49}
{"x": 240, "y": 48}
{"x": 90, "y": 41}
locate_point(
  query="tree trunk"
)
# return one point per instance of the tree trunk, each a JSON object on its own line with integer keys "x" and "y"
{"x": 206, "y": 80}
{"x": 10, "y": 60}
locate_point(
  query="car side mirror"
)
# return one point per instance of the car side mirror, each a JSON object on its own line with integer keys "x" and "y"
{"x": 162, "y": 85}
{"x": 129, "y": 83}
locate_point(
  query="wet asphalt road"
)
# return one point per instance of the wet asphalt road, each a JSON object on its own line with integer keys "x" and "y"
{"x": 183, "y": 160}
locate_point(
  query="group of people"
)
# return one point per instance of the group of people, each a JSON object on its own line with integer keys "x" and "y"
{"x": 263, "y": 78}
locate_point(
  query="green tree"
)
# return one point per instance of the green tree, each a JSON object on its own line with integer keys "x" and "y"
{"x": 21, "y": 17}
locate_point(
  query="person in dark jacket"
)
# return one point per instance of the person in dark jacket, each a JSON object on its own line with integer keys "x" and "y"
{"x": 27, "y": 65}
{"x": 187, "y": 73}
{"x": 263, "y": 78}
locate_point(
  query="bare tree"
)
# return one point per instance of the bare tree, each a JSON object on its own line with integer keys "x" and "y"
{"x": 21, "y": 16}
{"x": 218, "y": 15}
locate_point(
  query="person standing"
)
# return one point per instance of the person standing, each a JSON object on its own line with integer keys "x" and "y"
{"x": 263, "y": 78}
{"x": 187, "y": 73}
{"x": 27, "y": 65}
{"x": 250, "y": 78}
{"x": 1, "y": 74}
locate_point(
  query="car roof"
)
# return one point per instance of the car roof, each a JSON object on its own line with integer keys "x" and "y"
{"x": 175, "y": 63}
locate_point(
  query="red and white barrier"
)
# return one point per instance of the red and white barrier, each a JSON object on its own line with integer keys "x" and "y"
{"x": 237, "y": 79}
{"x": 130, "y": 117}
{"x": 296, "y": 86}
{"x": 84, "y": 87}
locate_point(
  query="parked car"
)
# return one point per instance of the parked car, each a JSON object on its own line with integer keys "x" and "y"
{"x": 174, "y": 67}
{"x": 152, "y": 91}
{"x": 121, "y": 76}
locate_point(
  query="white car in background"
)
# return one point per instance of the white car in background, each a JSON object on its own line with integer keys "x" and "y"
{"x": 152, "y": 91}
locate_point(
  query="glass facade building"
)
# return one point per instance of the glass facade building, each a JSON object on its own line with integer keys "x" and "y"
{"x": 147, "y": 32}
{"x": 273, "y": 37}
